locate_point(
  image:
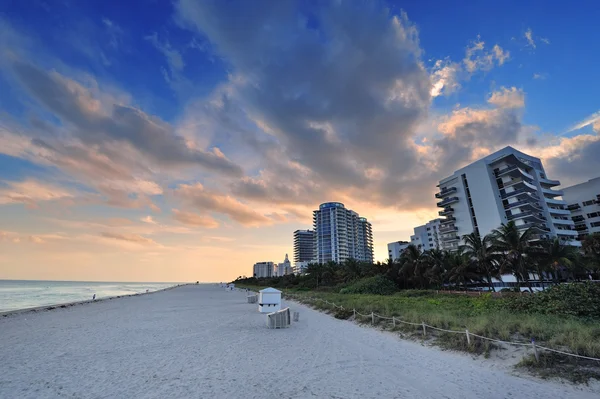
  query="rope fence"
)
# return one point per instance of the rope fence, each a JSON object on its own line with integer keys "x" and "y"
{"x": 425, "y": 326}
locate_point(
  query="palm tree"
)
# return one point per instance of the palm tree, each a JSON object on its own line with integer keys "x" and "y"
{"x": 555, "y": 254}
{"x": 461, "y": 269}
{"x": 515, "y": 248}
{"x": 591, "y": 251}
{"x": 481, "y": 252}
{"x": 437, "y": 269}
{"x": 412, "y": 266}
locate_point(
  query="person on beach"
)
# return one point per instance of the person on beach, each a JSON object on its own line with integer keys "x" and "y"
{"x": 94, "y": 297}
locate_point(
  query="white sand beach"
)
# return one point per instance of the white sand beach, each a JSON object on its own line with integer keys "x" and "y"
{"x": 203, "y": 342}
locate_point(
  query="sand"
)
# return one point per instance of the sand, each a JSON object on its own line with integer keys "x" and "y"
{"x": 203, "y": 342}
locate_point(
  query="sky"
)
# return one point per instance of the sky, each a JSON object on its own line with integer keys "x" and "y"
{"x": 186, "y": 140}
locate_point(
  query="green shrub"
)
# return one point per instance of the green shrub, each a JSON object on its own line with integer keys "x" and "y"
{"x": 377, "y": 285}
{"x": 575, "y": 299}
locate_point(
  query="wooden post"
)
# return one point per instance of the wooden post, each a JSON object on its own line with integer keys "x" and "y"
{"x": 535, "y": 351}
{"x": 372, "y": 318}
{"x": 354, "y": 310}
{"x": 424, "y": 330}
{"x": 468, "y": 337}
{"x": 394, "y": 321}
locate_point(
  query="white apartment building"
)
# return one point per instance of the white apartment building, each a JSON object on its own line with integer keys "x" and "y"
{"x": 506, "y": 185}
{"x": 395, "y": 249}
{"x": 263, "y": 269}
{"x": 341, "y": 234}
{"x": 583, "y": 201}
{"x": 284, "y": 268}
{"x": 300, "y": 267}
{"x": 427, "y": 236}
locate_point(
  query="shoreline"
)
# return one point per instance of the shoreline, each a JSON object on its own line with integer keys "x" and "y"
{"x": 65, "y": 305}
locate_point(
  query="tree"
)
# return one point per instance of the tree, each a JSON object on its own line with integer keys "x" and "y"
{"x": 481, "y": 251}
{"x": 413, "y": 266}
{"x": 462, "y": 269}
{"x": 437, "y": 268}
{"x": 553, "y": 254}
{"x": 515, "y": 249}
{"x": 591, "y": 251}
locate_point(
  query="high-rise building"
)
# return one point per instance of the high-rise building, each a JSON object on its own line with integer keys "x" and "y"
{"x": 341, "y": 234}
{"x": 284, "y": 268}
{"x": 507, "y": 185}
{"x": 427, "y": 236}
{"x": 263, "y": 269}
{"x": 583, "y": 201}
{"x": 304, "y": 246}
{"x": 395, "y": 249}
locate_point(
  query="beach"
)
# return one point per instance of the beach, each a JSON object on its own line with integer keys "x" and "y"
{"x": 200, "y": 341}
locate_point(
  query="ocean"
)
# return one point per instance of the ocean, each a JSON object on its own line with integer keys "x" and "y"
{"x": 22, "y": 294}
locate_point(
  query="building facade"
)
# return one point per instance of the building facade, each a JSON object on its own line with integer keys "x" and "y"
{"x": 341, "y": 234}
{"x": 507, "y": 185}
{"x": 284, "y": 268}
{"x": 300, "y": 267}
{"x": 395, "y": 249}
{"x": 263, "y": 270}
{"x": 583, "y": 201}
{"x": 304, "y": 246}
{"x": 427, "y": 236}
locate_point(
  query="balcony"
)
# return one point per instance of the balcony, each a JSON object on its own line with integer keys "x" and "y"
{"x": 451, "y": 239}
{"x": 514, "y": 171}
{"x": 524, "y": 203}
{"x": 581, "y": 227}
{"x": 552, "y": 201}
{"x": 448, "y": 229}
{"x": 447, "y": 211}
{"x": 557, "y": 211}
{"x": 552, "y": 193}
{"x": 578, "y": 218}
{"x": 449, "y": 219}
{"x": 537, "y": 226}
{"x": 445, "y": 192}
{"x": 447, "y": 201}
{"x": 528, "y": 214}
{"x": 549, "y": 182}
{"x": 527, "y": 189}
{"x": 567, "y": 222}
{"x": 571, "y": 233}
{"x": 573, "y": 207}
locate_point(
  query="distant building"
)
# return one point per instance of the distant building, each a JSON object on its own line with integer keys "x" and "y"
{"x": 395, "y": 249}
{"x": 427, "y": 236}
{"x": 263, "y": 269}
{"x": 583, "y": 201}
{"x": 341, "y": 234}
{"x": 300, "y": 267}
{"x": 304, "y": 246}
{"x": 507, "y": 185}
{"x": 284, "y": 268}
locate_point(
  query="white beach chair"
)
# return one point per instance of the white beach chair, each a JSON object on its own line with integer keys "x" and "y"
{"x": 279, "y": 319}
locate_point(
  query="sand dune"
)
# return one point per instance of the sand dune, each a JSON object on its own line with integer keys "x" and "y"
{"x": 202, "y": 342}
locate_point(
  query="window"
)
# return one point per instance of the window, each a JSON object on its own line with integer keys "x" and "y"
{"x": 586, "y": 203}
{"x": 429, "y": 234}
{"x": 593, "y": 215}
{"x": 595, "y": 224}
{"x": 431, "y": 239}
{"x": 429, "y": 228}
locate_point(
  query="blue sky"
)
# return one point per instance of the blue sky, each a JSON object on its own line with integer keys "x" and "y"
{"x": 157, "y": 127}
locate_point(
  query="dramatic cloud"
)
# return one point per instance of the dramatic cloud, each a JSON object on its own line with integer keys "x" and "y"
{"x": 205, "y": 201}
{"x": 96, "y": 121}
{"x": 593, "y": 120}
{"x": 508, "y": 98}
{"x": 31, "y": 192}
{"x": 132, "y": 238}
{"x": 477, "y": 58}
{"x": 193, "y": 219}
{"x": 444, "y": 78}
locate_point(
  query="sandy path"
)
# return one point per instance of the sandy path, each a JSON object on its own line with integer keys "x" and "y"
{"x": 202, "y": 342}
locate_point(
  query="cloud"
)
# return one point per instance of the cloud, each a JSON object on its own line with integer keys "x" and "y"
{"x": 131, "y": 238}
{"x": 114, "y": 32}
{"x": 477, "y": 58}
{"x": 544, "y": 40}
{"x": 31, "y": 192}
{"x": 593, "y": 120}
{"x": 96, "y": 121}
{"x": 529, "y": 37}
{"x": 209, "y": 201}
{"x": 148, "y": 219}
{"x": 508, "y": 98}
{"x": 193, "y": 219}
{"x": 444, "y": 78}
{"x": 540, "y": 76}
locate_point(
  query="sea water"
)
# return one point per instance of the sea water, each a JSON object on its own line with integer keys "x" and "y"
{"x": 22, "y": 294}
